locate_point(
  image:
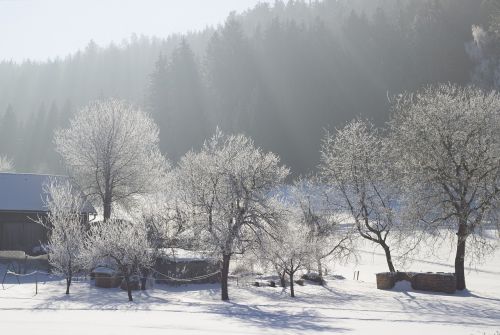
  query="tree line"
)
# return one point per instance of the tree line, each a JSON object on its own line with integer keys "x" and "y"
{"x": 278, "y": 73}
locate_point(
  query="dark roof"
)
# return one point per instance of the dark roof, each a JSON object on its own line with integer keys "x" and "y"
{"x": 24, "y": 192}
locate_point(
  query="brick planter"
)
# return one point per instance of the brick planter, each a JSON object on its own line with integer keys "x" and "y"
{"x": 385, "y": 280}
{"x": 434, "y": 282}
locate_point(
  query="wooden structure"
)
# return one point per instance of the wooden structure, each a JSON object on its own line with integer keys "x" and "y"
{"x": 22, "y": 202}
{"x": 106, "y": 278}
{"x": 185, "y": 265}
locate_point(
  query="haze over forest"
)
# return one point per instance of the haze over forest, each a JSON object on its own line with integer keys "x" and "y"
{"x": 280, "y": 73}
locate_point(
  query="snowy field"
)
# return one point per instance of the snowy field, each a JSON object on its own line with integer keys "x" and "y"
{"x": 343, "y": 306}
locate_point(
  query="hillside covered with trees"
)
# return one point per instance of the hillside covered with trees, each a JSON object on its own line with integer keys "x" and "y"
{"x": 279, "y": 73}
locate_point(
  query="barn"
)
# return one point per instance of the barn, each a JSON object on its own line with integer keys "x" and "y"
{"x": 22, "y": 201}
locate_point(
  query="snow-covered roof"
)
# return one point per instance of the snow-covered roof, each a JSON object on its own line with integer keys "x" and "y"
{"x": 183, "y": 255}
{"x": 24, "y": 192}
{"x": 104, "y": 270}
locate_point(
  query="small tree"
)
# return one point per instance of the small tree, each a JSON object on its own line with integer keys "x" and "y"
{"x": 226, "y": 187}
{"x": 124, "y": 243}
{"x": 326, "y": 235}
{"x": 356, "y": 164}
{"x": 64, "y": 222}
{"x": 291, "y": 251}
{"x": 6, "y": 164}
{"x": 111, "y": 150}
{"x": 164, "y": 216}
{"x": 447, "y": 139}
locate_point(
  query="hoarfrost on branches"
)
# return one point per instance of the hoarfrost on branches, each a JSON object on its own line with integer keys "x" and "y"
{"x": 484, "y": 53}
{"x": 6, "y": 164}
{"x": 448, "y": 144}
{"x": 111, "y": 150}
{"x": 226, "y": 187}
{"x": 165, "y": 218}
{"x": 123, "y": 243}
{"x": 291, "y": 250}
{"x": 327, "y": 236}
{"x": 356, "y": 164}
{"x": 66, "y": 231}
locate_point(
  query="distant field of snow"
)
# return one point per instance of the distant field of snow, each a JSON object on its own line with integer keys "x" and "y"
{"x": 343, "y": 306}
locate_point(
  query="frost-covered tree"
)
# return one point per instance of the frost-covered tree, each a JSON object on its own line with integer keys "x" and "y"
{"x": 227, "y": 187}
{"x": 66, "y": 232}
{"x": 327, "y": 237}
{"x": 448, "y": 143}
{"x": 124, "y": 243}
{"x": 111, "y": 150}
{"x": 484, "y": 52}
{"x": 165, "y": 218}
{"x": 6, "y": 164}
{"x": 291, "y": 250}
{"x": 356, "y": 164}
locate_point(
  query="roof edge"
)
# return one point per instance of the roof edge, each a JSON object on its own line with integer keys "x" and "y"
{"x": 35, "y": 174}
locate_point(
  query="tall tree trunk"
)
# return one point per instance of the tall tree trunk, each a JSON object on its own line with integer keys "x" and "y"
{"x": 144, "y": 279}
{"x": 224, "y": 277}
{"x": 107, "y": 208}
{"x": 460, "y": 257}
{"x": 388, "y": 257}
{"x": 108, "y": 193}
{"x": 292, "y": 292}
{"x": 68, "y": 284}
{"x": 282, "y": 279}
{"x": 129, "y": 288}
{"x": 281, "y": 275}
{"x": 320, "y": 267}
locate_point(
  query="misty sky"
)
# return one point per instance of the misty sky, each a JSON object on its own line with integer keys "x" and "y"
{"x": 41, "y": 29}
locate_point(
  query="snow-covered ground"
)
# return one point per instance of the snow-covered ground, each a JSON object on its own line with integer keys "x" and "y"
{"x": 343, "y": 306}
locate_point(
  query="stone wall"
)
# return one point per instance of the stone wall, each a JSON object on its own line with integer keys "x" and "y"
{"x": 435, "y": 282}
